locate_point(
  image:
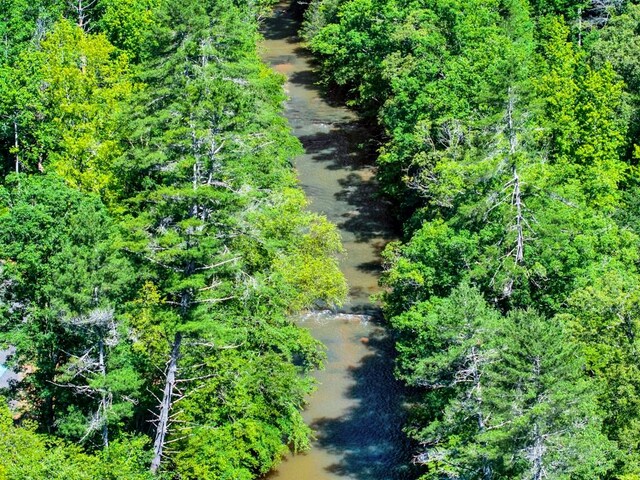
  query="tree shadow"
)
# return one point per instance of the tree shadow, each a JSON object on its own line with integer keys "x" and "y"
{"x": 375, "y": 266}
{"x": 336, "y": 146}
{"x": 370, "y": 267}
{"x": 283, "y": 24}
{"x": 332, "y": 94}
{"x": 369, "y": 438}
{"x": 359, "y": 303}
{"x": 371, "y": 216}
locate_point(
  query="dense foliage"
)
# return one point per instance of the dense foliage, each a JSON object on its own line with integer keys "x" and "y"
{"x": 510, "y": 149}
{"x": 153, "y": 244}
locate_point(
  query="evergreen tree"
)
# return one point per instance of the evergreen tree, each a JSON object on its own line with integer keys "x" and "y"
{"x": 505, "y": 396}
{"x": 62, "y": 281}
{"x": 544, "y": 411}
{"x": 450, "y": 357}
{"x": 218, "y": 232}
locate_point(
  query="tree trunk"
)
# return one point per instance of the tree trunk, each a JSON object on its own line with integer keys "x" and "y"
{"x": 487, "y": 472}
{"x": 516, "y": 198}
{"x": 516, "y": 195}
{"x": 104, "y": 403}
{"x": 165, "y": 405}
{"x": 517, "y": 201}
{"x": 537, "y": 454}
{"x": 16, "y": 145}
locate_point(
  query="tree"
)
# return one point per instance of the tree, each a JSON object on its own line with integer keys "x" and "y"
{"x": 602, "y": 315}
{"x": 87, "y": 81}
{"x": 25, "y": 141}
{"x": 61, "y": 272}
{"x": 446, "y": 348}
{"x": 132, "y": 26}
{"x": 545, "y": 416}
{"x": 62, "y": 107}
{"x": 27, "y": 454}
{"x": 504, "y": 396}
{"x": 217, "y": 229}
{"x": 583, "y": 115}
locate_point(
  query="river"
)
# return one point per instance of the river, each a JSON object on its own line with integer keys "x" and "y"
{"x": 357, "y": 410}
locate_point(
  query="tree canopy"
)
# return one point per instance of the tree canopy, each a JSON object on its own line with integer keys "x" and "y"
{"x": 154, "y": 244}
{"x": 510, "y": 133}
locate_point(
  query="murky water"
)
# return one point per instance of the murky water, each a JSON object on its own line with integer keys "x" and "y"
{"x": 357, "y": 410}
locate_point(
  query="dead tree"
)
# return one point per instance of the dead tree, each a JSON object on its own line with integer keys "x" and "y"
{"x": 516, "y": 201}
{"x": 476, "y": 361}
{"x": 100, "y": 324}
{"x": 599, "y": 12}
{"x": 450, "y": 141}
{"x": 82, "y": 8}
{"x": 466, "y": 371}
{"x": 166, "y": 403}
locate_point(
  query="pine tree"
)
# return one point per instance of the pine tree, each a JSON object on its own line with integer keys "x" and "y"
{"x": 545, "y": 418}
{"x": 450, "y": 357}
{"x": 62, "y": 281}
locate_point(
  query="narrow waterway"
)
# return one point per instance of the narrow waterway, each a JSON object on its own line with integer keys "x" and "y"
{"x": 357, "y": 411}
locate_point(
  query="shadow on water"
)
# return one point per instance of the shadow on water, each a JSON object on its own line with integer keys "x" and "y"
{"x": 282, "y": 25}
{"x": 338, "y": 146}
{"x": 365, "y": 436}
{"x": 369, "y": 215}
{"x": 357, "y": 411}
{"x": 372, "y": 219}
{"x": 343, "y": 145}
{"x": 308, "y": 79}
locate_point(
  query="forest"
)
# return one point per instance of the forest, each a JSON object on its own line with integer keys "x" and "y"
{"x": 507, "y": 141}
{"x": 155, "y": 243}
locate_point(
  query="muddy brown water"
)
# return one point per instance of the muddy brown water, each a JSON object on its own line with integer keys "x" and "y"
{"x": 357, "y": 410}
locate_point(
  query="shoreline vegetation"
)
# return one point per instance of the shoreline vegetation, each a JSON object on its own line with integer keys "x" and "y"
{"x": 153, "y": 243}
{"x": 510, "y": 149}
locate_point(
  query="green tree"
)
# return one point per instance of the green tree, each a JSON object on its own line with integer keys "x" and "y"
{"x": 217, "y": 229}
{"x": 61, "y": 107}
{"x": 62, "y": 280}
{"x": 504, "y": 396}
{"x": 86, "y": 85}
{"x": 603, "y": 317}
{"x": 545, "y": 416}
{"x": 446, "y": 348}
{"x": 583, "y": 117}
{"x": 27, "y": 455}
{"x": 25, "y": 140}
{"x": 132, "y": 26}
